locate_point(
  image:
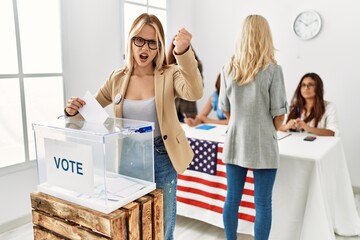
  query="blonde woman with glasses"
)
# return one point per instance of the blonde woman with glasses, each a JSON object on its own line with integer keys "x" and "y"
{"x": 252, "y": 96}
{"x": 309, "y": 111}
{"x": 145, "y": 89}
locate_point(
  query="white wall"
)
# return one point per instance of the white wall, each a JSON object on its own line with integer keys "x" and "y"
{"x": 91, "y": 42}
{"x": 333, "y": 54}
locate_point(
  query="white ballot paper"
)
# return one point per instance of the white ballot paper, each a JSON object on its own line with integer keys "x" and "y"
{"x": 92, "y": 110}
{"x": 123, "y": 187}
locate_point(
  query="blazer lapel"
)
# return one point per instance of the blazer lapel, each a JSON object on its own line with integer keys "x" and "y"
{"x": 159, "y": 93}
{"x": 122, "y": 92}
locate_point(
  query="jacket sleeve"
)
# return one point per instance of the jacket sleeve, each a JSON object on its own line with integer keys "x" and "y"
{"x": 187, "y": 78}
{"x": 223, "y": 97}
{"x": 278, "y": 101}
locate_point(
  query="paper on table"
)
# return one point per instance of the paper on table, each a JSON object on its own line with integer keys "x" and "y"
{"x": 92, "y": 110}
{"x": 205, "y": 127}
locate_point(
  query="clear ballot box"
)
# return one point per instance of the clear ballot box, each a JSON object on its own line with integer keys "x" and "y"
{"x": 99, "y": 166}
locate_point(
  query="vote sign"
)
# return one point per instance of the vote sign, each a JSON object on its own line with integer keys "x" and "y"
{"x": 69, "y": 165}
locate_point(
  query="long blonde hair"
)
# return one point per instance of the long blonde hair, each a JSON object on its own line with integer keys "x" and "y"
{"x": 254, "y": 50}
{"x": 138, "y": 24}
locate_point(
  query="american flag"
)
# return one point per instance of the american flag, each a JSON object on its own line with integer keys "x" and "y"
{"x": 203, "y": 184}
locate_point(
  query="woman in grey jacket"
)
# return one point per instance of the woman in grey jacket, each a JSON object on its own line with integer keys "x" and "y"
{"x": 253, "y": 98}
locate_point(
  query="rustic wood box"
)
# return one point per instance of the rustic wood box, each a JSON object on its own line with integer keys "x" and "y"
{"x": 54, "y": 218}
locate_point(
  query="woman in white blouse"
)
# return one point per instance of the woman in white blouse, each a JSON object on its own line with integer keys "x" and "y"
{"x": 309, "y": 111}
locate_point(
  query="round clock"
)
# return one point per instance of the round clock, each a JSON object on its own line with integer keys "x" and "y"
{"x": 307, "y": 25}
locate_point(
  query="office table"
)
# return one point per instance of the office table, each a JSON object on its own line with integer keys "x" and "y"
{"x": 312, "y": 196}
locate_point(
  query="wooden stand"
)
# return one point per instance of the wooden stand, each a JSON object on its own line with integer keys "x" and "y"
{"x": 54, "y": 218}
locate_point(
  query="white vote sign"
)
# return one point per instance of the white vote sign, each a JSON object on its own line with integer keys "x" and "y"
{"x": 69, "y": 165}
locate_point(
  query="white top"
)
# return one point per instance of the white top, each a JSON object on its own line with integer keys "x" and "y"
{"x": 142, "y": 110}
{"x": 329, "y": 119}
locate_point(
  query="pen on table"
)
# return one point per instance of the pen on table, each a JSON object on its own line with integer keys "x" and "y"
{"x": 284, "y": 136}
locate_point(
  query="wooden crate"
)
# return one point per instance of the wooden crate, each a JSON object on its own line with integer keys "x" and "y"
{"x": 54, "y": 218}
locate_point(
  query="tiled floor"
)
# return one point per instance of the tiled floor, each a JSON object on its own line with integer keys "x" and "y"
{"x": 186, "y": 229}
{"x": 190, "y": 229}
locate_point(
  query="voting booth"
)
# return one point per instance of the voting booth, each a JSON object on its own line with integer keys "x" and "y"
{"x": 102, "y": 166}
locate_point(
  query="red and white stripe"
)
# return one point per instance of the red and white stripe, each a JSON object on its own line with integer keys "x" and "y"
{"x": 201, "y": 190}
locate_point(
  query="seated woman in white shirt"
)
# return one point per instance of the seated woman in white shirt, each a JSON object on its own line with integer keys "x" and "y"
{"x": 309, "y": 111}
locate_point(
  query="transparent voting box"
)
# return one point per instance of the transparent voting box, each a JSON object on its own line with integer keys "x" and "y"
{"x": 99, "y": 166}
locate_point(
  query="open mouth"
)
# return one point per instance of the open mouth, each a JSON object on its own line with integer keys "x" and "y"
{"x": 144, "y": 56}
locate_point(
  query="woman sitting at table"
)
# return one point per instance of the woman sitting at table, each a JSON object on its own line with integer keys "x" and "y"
{"x": 211, "y": 104}
{"x": 309, "y": 111}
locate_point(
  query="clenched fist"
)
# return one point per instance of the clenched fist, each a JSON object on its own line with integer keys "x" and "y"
{"x": 182, "y": 41}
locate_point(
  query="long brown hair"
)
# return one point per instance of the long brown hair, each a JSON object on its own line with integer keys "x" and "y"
{"x": 298, "y": 102}
{"x": 217, "y": 83}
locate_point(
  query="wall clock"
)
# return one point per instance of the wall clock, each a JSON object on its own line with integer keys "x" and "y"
{"x": 307, "y": 25}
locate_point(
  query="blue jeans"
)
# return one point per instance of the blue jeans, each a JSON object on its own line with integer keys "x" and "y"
{"x": 136, "y": 160}
{"x": 263, "y": 185}
{"x": 166, "y": 179}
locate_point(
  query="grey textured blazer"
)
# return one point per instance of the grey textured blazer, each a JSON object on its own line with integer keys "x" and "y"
{"x": 251, "y": 139}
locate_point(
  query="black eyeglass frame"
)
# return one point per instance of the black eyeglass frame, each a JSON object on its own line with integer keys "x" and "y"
{"x": 308, "y": 86}
{"x": 144, "y": 42}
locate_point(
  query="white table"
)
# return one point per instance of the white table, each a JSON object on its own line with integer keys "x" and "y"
{"x": 312, "y": 196}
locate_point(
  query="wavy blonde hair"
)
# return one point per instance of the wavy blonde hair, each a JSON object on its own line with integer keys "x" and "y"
{"x": 151, "y": 20}
{"x": 254, "y": 50}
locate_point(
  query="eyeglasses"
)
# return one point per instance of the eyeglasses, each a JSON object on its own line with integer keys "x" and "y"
{"x": 139, "y": 42}
{"x": 308, "y": 86}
